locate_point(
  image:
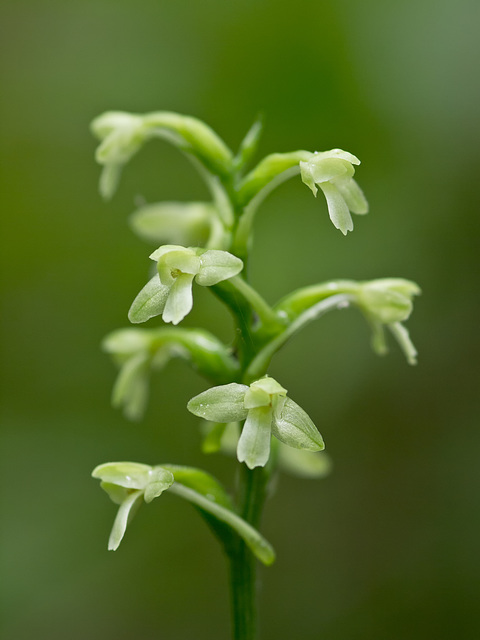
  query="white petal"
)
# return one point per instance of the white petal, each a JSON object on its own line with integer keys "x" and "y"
{"x": 217, "y": 266}
{"x": 180, "y": 299}
{"x": 124, "y": 515}
{"x": 337, "y": 208}
{"x": 254, "y": 444}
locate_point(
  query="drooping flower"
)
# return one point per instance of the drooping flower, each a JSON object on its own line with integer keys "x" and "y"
{"x": 169, "y": 292}
{"x": 266, "y": 410}
{"x": 333, "y": 172}
{"x": 389, "y": 302}
{"x": 127, "y": 483}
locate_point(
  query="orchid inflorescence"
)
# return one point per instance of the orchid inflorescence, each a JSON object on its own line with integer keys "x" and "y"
{"x": 245, "y": 411}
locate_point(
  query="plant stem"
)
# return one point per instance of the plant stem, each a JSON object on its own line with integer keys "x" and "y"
{"x": 243, "y": 580}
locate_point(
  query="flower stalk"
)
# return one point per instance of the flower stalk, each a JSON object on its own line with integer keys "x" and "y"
{"x": 251, "y": 415}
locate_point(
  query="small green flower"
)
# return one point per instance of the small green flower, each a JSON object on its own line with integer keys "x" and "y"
{"x": 170, "y": 291}
{"x": 266, "y": 410}
{"x": 333, "y": 172}
{"x": 389, "y": 302}
{"x": 127, "y": 483}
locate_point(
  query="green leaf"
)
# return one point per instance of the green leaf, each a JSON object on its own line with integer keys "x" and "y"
{"x": 249, "y": 144}
{"x": 202, "y": 482}
{"x": 220, "y": 404}
{"x": 292, "y": 426}
{"x": 150, "y": 302}
{"x": 260, "y": 547}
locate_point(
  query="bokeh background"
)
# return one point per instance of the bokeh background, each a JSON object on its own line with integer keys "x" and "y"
{"x": 387, "y": 546}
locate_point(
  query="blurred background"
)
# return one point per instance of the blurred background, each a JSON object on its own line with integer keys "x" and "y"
{"x": 387, "y": 546}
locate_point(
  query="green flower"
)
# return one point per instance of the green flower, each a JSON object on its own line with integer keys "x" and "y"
{"x": 127, "y": 483}
{"x": 266, "y": 410}
{"x": 333, "y": 172}
{"x": 170, "y": 291}
{"x": 389, "y": 302}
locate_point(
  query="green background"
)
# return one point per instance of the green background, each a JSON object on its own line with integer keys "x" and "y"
{"x": 387, "y": 546}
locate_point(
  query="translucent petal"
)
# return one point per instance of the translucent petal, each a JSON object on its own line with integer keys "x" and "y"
{"x": 125, "y": 513}
{"x": 352, "y": 194}
{"x": 217, "y": 266}
{"x": 220, "y": 404}
{"x": 180, "y": 300}
{"x": 150, "y": 302}
{"x": 131, "y": 475}
{"x": 254, "y": 444}
{"x": 337, "y": 208}
{"x": 293, "y": 427}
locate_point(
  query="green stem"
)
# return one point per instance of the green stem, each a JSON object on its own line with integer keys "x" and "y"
{"x": 262, "y": 359}
{"x": 243, "y": 578}
{"x": 267, "y": 316}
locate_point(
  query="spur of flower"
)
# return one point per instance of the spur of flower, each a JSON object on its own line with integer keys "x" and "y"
{"x": 267, "y": 411}
{"x": 169, "y": 292}
{"x": 128, "y": 484}
{"x": 333, "y": 172}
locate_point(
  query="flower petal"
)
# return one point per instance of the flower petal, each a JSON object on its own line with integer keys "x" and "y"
{"x": 403, "y": 338}
{"x": 160, "y": 480}
{"x": 292, "y": 426}
{"x": 352, "y": 194}
{"x": 180, "y": 300}
{"x": 254, "y": 444}
{"x": 150, "y": 302}
{"x": 220, "y": 404}
{"x": 217, "y": 266}
{"x": 125, "y": 513}
{"x": 337, "y": 208}
{"x": 131, "y": 475}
